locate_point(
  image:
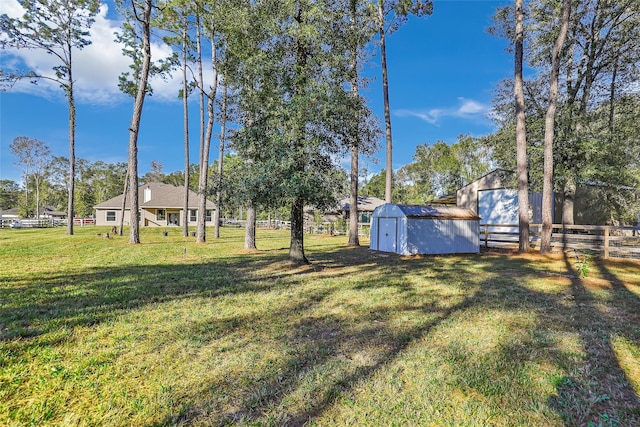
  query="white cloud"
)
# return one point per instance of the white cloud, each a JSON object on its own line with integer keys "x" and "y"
{"x": 96, "y": 67}
{"x": 430, "y": 116}
{"x": 470, "y": 107}
{"x": 467, "y": 109}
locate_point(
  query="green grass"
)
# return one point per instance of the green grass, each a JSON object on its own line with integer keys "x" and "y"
{"x": 171, "y": 332}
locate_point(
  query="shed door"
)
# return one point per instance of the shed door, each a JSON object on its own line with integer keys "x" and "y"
{"x": 387, "y": 234}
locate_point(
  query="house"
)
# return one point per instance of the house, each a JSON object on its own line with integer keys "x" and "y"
{"x": 12, "y": 214}
{"x": 366, "y": 206}
{"x": 160, "y": 205}
{"x": 424, "y": 229}
{"x": 49, "y": 212}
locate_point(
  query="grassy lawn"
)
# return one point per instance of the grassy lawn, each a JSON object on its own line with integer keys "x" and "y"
{"x": 97, "y": 332}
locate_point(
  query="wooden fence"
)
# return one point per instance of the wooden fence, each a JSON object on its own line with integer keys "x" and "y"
{"x": 601, "y": 240}
{"x": 44, "y": 222}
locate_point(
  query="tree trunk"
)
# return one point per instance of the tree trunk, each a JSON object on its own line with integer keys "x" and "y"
{"x": 353, "y": 200}
{"x": 204, "y": 155}
{"x": 201, "y": 93}
{"x": 223, "y": 130}
{"x": 250, "y": 227}
{"x": 124, "y": 201}
{"x": 547, "y": 189}
{"x": 296, "y": 247}
{"x": 185, "y": 106}
{"x": 387, "y": 112}
{"x": 37, "y": 179}
{"x": 72, "y": 152}
{"x": 353, "y": 204}
{"x": 612, "y": 97}
{"x": 521, "y": 134}
{"x": 26, "y": 192}
{"x": 134, "y": 129}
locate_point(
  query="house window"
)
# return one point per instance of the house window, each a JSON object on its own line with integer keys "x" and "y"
{"x": 207, "y": 216}
{"x": 111, "y": 216}
{"x": 160, "y": 214}
{"x": 192, "y": 215}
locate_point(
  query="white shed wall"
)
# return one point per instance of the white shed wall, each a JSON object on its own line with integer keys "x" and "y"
{"x": 500, "y": 206}
{"x": 417, "y": 235}
{"x": 441, "y": 236}
{"x": 380, "y": 224}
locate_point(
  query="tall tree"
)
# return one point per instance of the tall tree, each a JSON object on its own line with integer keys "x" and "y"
{"x": 359, "y": 32}
{"x": 289, "y": 69}
{"x": 353, "y": 199}
{"x": 185, "y": 121}
{"x": 602, "y": 36}
{"x": 58, "y": 27}
{"x": 210, "y": 27}
{"x": 140, "y": 17}
{"x": 597, "y": 70}
{"x": 391, "y": 14}
{"x": 547, "y": 188}
{"x": 33, "y": 155}
{"x": 176, "y": 20}
{"x": 521, "y": 132}
{"x": 199, "y": 11}
{"x": 219, "y": 180}
{"x": 138, "y": 25}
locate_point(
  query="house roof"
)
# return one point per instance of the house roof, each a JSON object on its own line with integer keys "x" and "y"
{"x": 51, "y": 211}
{"x": 442, "y": 212}
{"x": 162, "y": 196}
{"x": 10, "y": 212}
{"x": 365, "y": 203}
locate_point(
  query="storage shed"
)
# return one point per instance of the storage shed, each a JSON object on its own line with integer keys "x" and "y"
{"x": 423, "y": 229}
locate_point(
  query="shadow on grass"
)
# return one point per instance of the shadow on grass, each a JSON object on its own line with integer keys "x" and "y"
{"x": 602, "y": 394}
{"x": 320, "y": 341}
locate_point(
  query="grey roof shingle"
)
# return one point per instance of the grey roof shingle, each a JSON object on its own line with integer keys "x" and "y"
{"x": 163, "y": 196}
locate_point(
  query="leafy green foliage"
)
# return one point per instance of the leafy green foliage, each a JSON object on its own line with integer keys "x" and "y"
{"x": 9, "y": 194}
{"x": 599, "y": 67}
{"x": 441, "y": 169}
{"x": 129, "y": 37}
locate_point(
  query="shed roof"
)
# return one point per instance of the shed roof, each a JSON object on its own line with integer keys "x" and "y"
{"x": 442, "y": 212}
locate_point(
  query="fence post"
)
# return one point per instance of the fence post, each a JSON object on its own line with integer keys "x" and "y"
{"x": 486, "y": 236}
{"x": 606, "y": 242}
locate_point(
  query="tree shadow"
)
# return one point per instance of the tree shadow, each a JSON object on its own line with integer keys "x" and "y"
{"x": 320, "y": 341}
{"x": 602, "y": 394}
{"x": 323, "y": 342}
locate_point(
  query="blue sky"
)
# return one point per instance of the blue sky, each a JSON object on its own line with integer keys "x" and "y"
{"x": 443, "y": 70}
